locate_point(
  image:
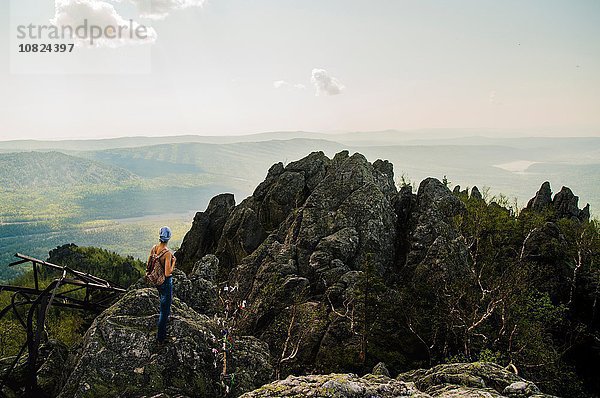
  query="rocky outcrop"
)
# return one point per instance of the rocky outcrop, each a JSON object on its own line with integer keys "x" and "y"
{"x": 205, "y": 232}
{"x": 542, "y": 199}
{"x": 476, "y": 194}
{"x": 337, "y": 386}
{"x": 301, "y": 251}
{"x": 120, "y": 357}
{"x": 468, "y": 380}
{"x": 431, "y": 222}
{"x": 302, "y": 274}
{"x": 478, "y": 375}
{"x": 564, "y": 204}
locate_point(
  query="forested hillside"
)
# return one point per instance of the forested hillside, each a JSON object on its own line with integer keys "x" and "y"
{"x": 35, "y": 170}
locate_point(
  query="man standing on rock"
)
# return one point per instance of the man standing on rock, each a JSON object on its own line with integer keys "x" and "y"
{"x": 166, "y": 261}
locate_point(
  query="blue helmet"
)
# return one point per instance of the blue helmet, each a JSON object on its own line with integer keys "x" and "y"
{"x": 165, "y": 234}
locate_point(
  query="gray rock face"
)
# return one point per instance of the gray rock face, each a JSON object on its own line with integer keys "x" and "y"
{"x": 564, "y": 204}
{"x": 434, "y": 243}
{"x": 198, "y": 293}
{"x": 542, "y": 199}
{"x": 206, "y": 268}
{"x": 345, "y": 224}
{"x": 242, "y": 234}
{"x": 120, "y": 357}
{"x": 284, "y": 189}
{"x": 206, "y": 230}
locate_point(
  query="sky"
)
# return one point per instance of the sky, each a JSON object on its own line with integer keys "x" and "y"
{"x": 222, "y": 67}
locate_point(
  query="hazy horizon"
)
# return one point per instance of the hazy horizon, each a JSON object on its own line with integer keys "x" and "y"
{"x": 449, "y": 133}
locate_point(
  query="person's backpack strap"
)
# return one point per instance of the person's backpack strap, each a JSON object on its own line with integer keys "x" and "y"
{"x": 162, "y": 253}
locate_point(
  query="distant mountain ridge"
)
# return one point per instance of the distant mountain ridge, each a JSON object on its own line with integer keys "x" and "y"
{"x": 362, "y": 138}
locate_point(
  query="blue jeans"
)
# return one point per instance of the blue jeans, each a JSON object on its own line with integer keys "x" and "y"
{"x": 165, "y": 292}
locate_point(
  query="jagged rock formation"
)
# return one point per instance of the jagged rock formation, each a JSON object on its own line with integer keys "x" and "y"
{"x": 472, "y": 380}
{"x": 542, "y": 199}
{"x": 302, "y": 249}
{"x": 119, "y": 355}
{"x": 340, "y": 221}
{"x": 564, "y": 204}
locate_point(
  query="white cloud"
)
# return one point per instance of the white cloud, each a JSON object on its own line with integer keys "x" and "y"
{"x": 160, "y": 9}
{"x": 493, "y": 98}
{"x": 105, "y": 27}
{"x": 326, "y": 84}
{"x": 282, "y": 84}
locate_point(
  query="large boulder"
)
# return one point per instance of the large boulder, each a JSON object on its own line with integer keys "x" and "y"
{"x": 120, "y": 356}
